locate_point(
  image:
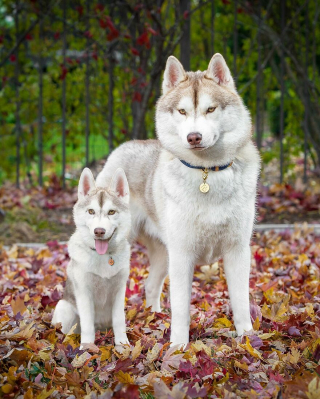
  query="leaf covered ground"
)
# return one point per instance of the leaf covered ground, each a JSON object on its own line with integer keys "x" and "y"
{"x": 279, "y": 360}
{"x": 33, "y": 214}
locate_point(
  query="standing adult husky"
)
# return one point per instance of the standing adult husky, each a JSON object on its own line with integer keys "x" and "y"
{"x": 193, "y": 192}
{"x": 100, "y": 259}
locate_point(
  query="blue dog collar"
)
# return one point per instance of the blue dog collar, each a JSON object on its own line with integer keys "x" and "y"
{"x": 214, "y": 168}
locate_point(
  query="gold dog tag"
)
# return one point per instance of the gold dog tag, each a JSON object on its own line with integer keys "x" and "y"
{"x": 111, "y": 262}
{"x": 204, "y": 187}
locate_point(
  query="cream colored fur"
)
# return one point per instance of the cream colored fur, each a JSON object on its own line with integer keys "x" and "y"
{"x": 181, "y": 226}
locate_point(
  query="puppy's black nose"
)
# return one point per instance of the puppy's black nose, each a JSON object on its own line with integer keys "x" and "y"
{"x": 99, "y": 232}
{"x": 194, "y": 138}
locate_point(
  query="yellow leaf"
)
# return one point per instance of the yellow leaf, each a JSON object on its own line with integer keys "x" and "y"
{"x": 125, "y": 378}
{"x": 106, "y": 353}
{"x": 295, "y": 356}
{"x": 44, "y": 253}
{"x": 7, "y": 388}
{"x": 314, "y": 389}
{"x": 222, "y": 323}
{"x": 79, "y": 361}
{"x": 208, "y": 272}
{"x": 205, "y": 305}
{"x": 71, "y": 338}
{"x": 13, "y": 252}
{"x": 309, "y": 310}
{"x": 253, "y": 352}
{"x": 303, "y": 258}
{"x": 45, "y": 394}
{"x": 242, "y": 366}
{"x": 44, "y": 355}
{"x": 131, "y": 313}
{"x": 256, "y": 324}
{"x": 149, "y": 319}
{"x": 18, "y": 306}
{"x": 136, "y": 350}
{"x": 24, "y": 334}
{"x": 266, "y": 335}
{"x": 199, "y": 345}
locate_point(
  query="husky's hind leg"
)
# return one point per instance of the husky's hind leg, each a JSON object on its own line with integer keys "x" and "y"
{"x": 66, "y": 314}
{"x": 158, "y": 271}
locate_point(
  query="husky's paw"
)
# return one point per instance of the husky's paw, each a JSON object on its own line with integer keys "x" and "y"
{"x": 121, "y": 347}
{"x": 245, "y": 330}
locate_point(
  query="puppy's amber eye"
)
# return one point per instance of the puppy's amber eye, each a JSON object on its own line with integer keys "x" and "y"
{"x": 182, "y": 111}
{"x": 111, "y": 212}
{"x": 91, "y": 211}
{"x": 210, "y": 110}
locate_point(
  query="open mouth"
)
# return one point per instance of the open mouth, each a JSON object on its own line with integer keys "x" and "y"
{"x": 103, "y": 245}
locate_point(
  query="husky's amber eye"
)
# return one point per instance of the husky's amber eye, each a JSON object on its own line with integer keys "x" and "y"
{"x": 111, "y": 212}
{"x": 210, "y": 110}
{"x": 91, "y": 211}
{"x": 182, "y": 111}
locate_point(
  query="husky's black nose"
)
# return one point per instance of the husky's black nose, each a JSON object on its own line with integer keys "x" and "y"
{"x": 194, "y": 138}
{"x": 99, "y": 232}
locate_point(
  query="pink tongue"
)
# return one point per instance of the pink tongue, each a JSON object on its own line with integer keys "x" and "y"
{"x": 101, "y": 246}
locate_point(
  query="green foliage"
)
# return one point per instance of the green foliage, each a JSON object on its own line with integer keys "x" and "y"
{"x": 131, "y": 75}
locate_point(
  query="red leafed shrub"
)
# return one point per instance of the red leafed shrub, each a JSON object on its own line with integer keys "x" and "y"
{"x": 134, "y": 51}
{"x": 137, "y": 97}
{"x": 143, "y": 40}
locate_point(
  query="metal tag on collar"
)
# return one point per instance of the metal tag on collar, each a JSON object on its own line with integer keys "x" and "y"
{"x": 204, "y": 187}
{"x": 111, "y": 261}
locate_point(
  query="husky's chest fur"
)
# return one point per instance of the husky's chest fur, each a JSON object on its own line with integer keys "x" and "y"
{"x": 165, "y": 192}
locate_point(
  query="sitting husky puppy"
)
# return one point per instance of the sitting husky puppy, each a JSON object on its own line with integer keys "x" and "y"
{"x": 193, "y": 192}
{"x": 100, "y": 259}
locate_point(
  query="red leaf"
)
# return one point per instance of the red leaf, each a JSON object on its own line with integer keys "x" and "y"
{"x": 80, "y": 10}
{"x": 64, "y": 72}
{"x": 134, "y": 81}
{"x": 56, "y": 35}
{"x": 29, "y": 37}
{"x": 99, "y": 7}
{"x": 186, "y": 14}
{"x": 1, "y": 39}
{"x": 144, "y": 40}
{"x": 124, "y": 131}
{"x": 134, "y": 51}
{"x": 13, "y": 58}
{"x": 114, "y": 33}
{"x": 137, "y": 97}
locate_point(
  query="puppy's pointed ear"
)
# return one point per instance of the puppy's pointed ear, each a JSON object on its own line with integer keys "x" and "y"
{"x": 173, "y": 74}
{"x": 218, "y": 71}
{"x": 120, "y": 186}
{"x": 86, "y": 183}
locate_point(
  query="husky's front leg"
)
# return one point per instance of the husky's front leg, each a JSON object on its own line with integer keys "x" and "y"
{"x": 118, "y": 315}
{"x": 85, "y": 307}
{"x": 180, "y": 274}
{"x": 237, "y": 270}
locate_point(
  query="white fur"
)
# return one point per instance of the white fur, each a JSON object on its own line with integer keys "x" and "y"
{"x": 98, "y": 287}
{"x": 181, "y": 226}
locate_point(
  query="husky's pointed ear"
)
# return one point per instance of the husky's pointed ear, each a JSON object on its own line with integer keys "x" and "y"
{"x": 120, "y": 186}
{"x": 86, "y": 183}
{"x": 218, "y": 71}
{"x": 173, "y": 74}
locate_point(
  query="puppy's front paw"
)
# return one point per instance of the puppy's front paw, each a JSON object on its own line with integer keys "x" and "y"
{"x": 246, "y": 329}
